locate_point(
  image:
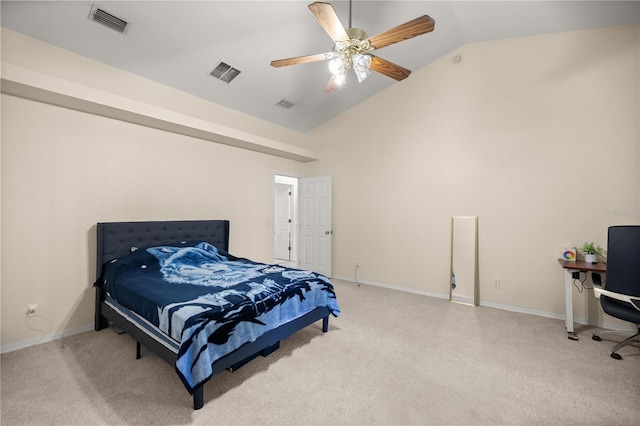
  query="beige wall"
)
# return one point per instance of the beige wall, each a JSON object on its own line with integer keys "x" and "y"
{"x": 63, "y": 171}
{"x": 508, "y": 135}
{"x": 536, "y": 136}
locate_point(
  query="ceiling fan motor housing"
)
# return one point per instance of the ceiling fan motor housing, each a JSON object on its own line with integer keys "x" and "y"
{"x": 357, "y": 33}
{"x": 358, "y": 41}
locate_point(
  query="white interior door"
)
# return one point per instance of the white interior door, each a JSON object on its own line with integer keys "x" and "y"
{"x": 316, "y": 232}
{"x": 282, "y": 221}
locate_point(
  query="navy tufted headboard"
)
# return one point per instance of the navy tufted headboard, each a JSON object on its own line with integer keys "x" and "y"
{"x": 115, "y": 239}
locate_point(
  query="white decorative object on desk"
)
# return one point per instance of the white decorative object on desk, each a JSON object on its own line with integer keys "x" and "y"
{"x": 569, "y": 254}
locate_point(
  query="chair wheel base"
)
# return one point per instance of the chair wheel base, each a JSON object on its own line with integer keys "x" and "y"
{"x": 597, "y": 338}
{"x": 615, "y": 355}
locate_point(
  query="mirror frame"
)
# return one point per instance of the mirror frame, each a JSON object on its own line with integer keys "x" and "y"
{"x": 473, "y": 299}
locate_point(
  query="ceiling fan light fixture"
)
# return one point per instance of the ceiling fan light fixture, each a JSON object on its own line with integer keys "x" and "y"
{"x": 339, "y": 46}
{"x": 341, "y": 78}
{"x": 361, "y": 64}
{"x": 336, "y": 66}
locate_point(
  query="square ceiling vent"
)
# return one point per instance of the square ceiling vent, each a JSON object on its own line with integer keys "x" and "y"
{"x": 224, "y": 72}
{"x": 284, "y": 103}
{"x": 105, "y": 18}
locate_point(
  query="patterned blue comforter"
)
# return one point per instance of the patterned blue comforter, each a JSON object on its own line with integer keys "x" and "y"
{"x": 210, "y": 301}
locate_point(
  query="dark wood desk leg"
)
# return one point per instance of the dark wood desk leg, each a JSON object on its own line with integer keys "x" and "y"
{"x": 138, "y": 350}
{"x": 325, "y": 324}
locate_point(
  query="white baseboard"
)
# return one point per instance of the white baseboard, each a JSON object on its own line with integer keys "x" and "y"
{"x": 60, "y": 334}
{"x": 46, "y": 338}
{"x": 511, "y": 308}
{"x": 396, "y": 287}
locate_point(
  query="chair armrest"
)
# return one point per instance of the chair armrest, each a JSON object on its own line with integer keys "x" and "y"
{"x": 632, "y": 300}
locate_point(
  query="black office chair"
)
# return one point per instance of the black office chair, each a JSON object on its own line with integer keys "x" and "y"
{"x": 621, "y": 296}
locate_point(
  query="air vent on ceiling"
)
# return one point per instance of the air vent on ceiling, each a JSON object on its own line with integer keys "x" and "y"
{"x": 224, "y": 72}
{"x": 285, "y": 104}
{"x": 107, "y": 19}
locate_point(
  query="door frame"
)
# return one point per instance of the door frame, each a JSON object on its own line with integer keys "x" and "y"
{"x": 287, "y": 178}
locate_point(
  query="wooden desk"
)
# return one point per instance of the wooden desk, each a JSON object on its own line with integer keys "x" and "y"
{"x": 570, "y": 267}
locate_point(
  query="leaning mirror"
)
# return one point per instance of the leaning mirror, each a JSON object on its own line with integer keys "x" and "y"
{"x": 464, "y": 260}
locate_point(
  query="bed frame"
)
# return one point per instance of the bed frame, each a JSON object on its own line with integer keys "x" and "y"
{"x": 115, "y": 239}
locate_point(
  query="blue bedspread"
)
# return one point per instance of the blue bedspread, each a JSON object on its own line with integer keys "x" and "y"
{"x": 210, "y": 301}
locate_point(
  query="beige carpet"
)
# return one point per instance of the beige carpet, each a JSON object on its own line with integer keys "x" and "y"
{"x": 390, "y": 358}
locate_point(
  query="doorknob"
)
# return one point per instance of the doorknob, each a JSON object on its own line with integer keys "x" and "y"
{"x": 328, "y": 232}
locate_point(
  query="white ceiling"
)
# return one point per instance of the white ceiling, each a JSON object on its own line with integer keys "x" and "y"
{"x": 177, "y": 43}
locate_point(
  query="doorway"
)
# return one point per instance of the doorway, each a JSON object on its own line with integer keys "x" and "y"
{"x": 302, "y": 224}
{"x": 285, "y": 220}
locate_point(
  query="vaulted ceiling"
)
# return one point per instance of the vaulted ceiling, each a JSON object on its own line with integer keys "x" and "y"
{"x": 178, "y": 43}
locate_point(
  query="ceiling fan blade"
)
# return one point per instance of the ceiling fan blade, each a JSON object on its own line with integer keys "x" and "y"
{"x": 302, "y": 59}
{"x": 388, "y": 68}
{"x": 414, "y": 28}
{"x": 332, "y": 86}
{"x": 328, "y": 19}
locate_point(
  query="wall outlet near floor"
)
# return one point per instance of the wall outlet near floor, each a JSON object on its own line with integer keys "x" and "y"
{"x": 496, "y": 283}
{"x": 32, "y": 310}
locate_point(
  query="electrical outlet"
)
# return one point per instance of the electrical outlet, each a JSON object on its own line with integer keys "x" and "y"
{"x": 32, "y": 310}
{"x": 496, "y": 283}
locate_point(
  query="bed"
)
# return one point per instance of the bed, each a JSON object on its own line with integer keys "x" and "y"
{"x": 174, "y": 287}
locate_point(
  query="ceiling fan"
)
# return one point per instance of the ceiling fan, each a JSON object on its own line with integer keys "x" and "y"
{"x": 352, "y": 47}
